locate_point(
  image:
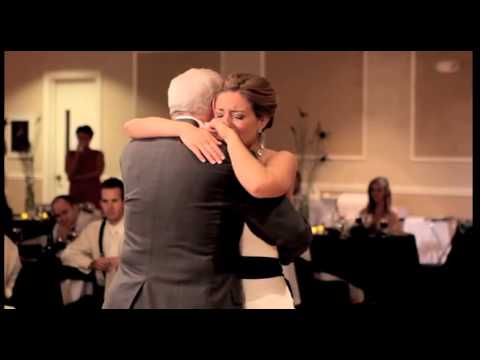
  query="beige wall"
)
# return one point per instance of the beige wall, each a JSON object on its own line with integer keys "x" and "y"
{"x": 24, "y": 73}
{"x": 435, "y": 206}
{"x": 388, "y": 92}
{"x": 383, "y": 93}
{"x": 155, "y": 70}
{"x": 328, "y": 86}
{"x": 241, "y": 61}
{"x": 443, "y": 105}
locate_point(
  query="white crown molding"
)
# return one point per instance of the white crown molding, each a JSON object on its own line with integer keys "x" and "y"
{"x": 336, "y": 187}
{"x": 442, "y": 159}
{"x": 433, "y": 190}
{"x": 399, "y": 189}
{"x": 39, "y": 177}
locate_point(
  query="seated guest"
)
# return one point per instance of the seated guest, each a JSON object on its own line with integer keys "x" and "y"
{"x": 98, "y": 246}
{"x": 378, "y": 216}
{"x": 71, "y": 219}
{"x": 11, "y": 266}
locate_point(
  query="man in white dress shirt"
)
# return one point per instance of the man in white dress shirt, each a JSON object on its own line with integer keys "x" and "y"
{"x": 71, "y": 219}
{"x": 99, "y": 244}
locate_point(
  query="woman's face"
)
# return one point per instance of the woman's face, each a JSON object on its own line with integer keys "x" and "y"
{"x": 237, "y": 113}
{"x": 83, "y": 139}
{"x": 378, "y": 193}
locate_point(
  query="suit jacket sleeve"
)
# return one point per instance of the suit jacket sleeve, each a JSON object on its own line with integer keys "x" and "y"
{"x": 80, "y": 253}
{"x": 276, "y": 222}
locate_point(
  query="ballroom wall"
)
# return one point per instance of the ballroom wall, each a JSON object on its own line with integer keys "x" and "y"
{"x": 24, "y": 72}
{"x": 387, "y": 113}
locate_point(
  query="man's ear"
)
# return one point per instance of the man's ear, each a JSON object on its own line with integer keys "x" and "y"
{"x": 212, "y": 108}
{"x": 211, "y": 114}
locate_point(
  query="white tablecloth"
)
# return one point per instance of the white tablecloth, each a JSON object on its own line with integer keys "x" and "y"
{"x": 433, "y": 238}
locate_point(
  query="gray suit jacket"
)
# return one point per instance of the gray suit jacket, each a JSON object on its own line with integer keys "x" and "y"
{"x": 183, "y": 222}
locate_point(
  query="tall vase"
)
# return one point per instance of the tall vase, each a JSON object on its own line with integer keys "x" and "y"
{"x": 29, "y": 185}
{"x": 30, "y": 198}
{"x": 304, "y": 207}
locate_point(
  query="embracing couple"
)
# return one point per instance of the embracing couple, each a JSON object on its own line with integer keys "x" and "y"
{"x": 208, "y": 220}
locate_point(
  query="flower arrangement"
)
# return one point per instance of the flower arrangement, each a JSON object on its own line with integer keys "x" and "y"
{"x": 308, "y": 139}
{"x": 28, "y": 168}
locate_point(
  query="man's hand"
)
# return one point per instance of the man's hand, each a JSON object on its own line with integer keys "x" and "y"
{"x": 106, "y": 264}
{"x": 202, "y": 143}
{"x": 101, "y": 264}
{"x": 63, "y": 232}
{"x": 114, "y": 263}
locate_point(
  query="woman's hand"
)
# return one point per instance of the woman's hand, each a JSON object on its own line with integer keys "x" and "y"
{"x": 221, "y": 129}
{"x": 202, "y": 143}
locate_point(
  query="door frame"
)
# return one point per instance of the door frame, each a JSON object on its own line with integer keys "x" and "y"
{"x": 49, "y": 130}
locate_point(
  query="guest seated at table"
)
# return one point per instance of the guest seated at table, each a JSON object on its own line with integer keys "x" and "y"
{"x": 378, "y": 217}
{"x": 71, "y": 218}
{"x": 71, "y": 221}
{"x": 98, "y": 246}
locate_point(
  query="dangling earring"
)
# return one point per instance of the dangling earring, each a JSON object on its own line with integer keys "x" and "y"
{"x": 261, "y": 141}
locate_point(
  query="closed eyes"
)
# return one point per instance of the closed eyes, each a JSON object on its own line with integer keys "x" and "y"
{"x": 235, "y": 115}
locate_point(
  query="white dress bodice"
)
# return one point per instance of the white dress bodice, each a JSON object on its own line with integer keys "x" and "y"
{"x": 268, "y": 293}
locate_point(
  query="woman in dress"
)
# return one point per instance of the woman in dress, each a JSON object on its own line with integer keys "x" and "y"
{"x": 84, "y": 167}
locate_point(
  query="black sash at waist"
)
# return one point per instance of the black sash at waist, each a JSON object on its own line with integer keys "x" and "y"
{"x": 258, "y": 267}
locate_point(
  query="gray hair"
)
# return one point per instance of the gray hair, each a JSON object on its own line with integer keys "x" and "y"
{"x": 193, "y": 91}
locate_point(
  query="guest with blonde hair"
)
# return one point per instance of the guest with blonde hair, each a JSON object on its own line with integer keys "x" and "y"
{"x": 378, "y": 216}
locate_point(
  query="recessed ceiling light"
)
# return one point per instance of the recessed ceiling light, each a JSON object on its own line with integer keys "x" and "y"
{"x": 447, "y": 66}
